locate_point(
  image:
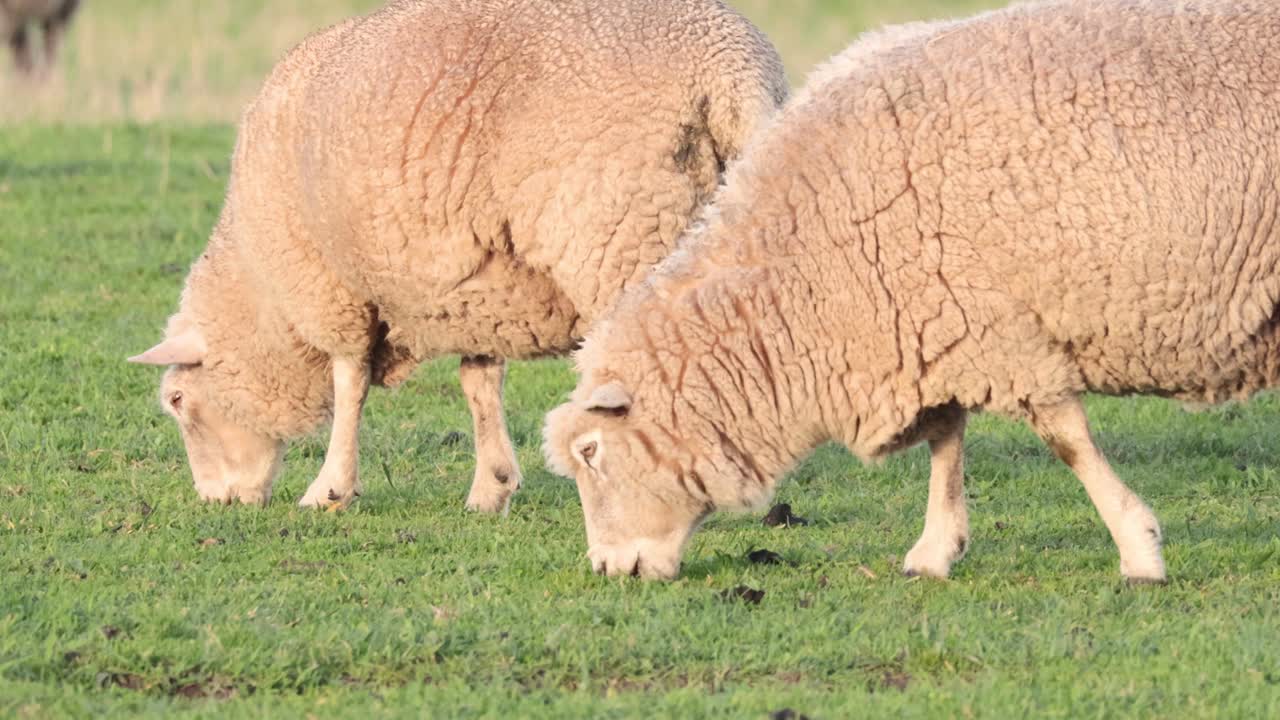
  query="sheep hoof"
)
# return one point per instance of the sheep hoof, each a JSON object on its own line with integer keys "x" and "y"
{"x": 328, "y": 499}
{"x": 492, "y": 504}
{"x": 1139, "y": 539}
{"x": 491, "y": 493}
{"x": 216, "y": 499}
{"x": 1137, "y": 581}
{"x": 1148, "y": 572}
{"x": 933, "y": 557}
{"x": 231, "y": 496}
{"x": 256, "y": 499}
{"x": 924, "y": 572}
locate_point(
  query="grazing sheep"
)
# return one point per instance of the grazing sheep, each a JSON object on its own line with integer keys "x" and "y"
{"x": 16, "y": 18}
{"x": 446, "y": 177}
{"x": 1001, "y": 213}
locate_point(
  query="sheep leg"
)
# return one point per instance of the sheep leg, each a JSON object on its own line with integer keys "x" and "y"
{"x": 54, "y": 28}
{"x": 20, "y": 44}
{"x": 339, "y": 481}
{"x": 497, "y": 472}
{"x": 52, "y": 41}
{"x": 1065, "y": 428}
{"x": 946, "y": 522}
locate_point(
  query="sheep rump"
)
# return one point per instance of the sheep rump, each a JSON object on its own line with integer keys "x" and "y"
{"x": 1000, "y": 213}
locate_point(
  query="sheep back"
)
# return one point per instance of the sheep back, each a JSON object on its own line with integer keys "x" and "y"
{"x": 485, "y": 177}
{"x": 1002, "y": 212}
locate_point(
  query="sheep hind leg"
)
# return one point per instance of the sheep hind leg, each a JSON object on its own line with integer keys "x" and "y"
{"x": 1065, "y": 429}
{"x": 338, "y": 483}
{"x": 20, "y": 46}
{"x": 497, "y": 474}
{"x": 946, "y": 523}
{"x": 54, "y": 28}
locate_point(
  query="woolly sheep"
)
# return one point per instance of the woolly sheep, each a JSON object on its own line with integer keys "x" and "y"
{"x": 16, "y": 17}
{"x": 1001, "y": 213}
{"x": 445, "y": 177}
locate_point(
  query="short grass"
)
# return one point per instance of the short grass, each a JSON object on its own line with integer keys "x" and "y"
{"x": 121, "y": 595}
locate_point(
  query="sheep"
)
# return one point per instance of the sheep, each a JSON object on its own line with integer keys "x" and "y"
{"x": 999, "y": 213}
{"x": 16, "y": 17}
{"x": 445, "y": 177}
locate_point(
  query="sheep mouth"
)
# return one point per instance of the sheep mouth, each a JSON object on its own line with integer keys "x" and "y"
{"x": 602, "y": 568}
{"x": 634, "y": 560}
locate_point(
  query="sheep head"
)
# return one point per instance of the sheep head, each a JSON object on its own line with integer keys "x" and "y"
{"x": 642, "y": 494}
{"x": 228, "y": 461}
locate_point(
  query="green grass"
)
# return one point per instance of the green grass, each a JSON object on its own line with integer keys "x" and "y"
{"x": 121, "y": 594}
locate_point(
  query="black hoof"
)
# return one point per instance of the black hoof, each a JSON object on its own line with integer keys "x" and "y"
{"x": 1138, "y": 582}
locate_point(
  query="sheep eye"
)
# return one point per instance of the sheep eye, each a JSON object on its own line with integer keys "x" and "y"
{"x": 175, "y": 400}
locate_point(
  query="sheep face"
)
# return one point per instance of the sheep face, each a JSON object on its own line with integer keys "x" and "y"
{"x": 228, "y": 461}
{"x": 638, "y": 505}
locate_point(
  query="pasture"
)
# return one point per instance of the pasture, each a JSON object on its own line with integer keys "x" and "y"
{"x": 121, "y": 595}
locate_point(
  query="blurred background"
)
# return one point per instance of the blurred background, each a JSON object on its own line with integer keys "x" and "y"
{"x": 200, "y": 61}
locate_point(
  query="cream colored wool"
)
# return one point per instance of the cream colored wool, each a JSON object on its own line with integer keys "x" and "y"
{"x": 467, "y": 177}
{"x": 1000, "y": 213}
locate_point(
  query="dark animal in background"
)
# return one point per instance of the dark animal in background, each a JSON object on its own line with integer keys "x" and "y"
{"x": 18, "y": 19}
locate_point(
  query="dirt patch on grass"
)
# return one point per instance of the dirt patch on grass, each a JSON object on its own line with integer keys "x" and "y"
{"x": 780, "y": 515}
{"x": 897, "y": 680}
{"x": 764, "y": 557}
{"x": 207, "y": 689}
{"x": 190, "y": 687}
{"x": 747, "y": 595}
{"x": 887, "y": 674}
{"x": 128, "y": 681}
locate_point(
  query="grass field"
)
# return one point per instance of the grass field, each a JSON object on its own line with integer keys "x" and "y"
{"x": 121, "y": 595}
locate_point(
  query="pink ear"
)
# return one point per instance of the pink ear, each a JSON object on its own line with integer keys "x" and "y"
{"x": 611, "y": 398}
{"x": 186, "y": 348}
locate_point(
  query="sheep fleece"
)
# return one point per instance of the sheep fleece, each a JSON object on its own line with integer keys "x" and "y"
{"x": 463, "y": 176}
{"x": 1000, "y": 212}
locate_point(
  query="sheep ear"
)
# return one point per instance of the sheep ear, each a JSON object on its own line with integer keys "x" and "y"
{"x": 187, "y": 348}
{"x": 610, "y": 399}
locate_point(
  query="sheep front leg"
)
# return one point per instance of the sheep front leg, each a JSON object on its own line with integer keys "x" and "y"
{"x": 1065, "y": 428}
{"x": 339, "y": 481}
{"x": 497, "y": 472}
{"x": 946, "y": 522}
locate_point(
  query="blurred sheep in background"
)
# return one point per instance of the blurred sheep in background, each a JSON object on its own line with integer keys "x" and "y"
{"x": 17, "y": 18}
